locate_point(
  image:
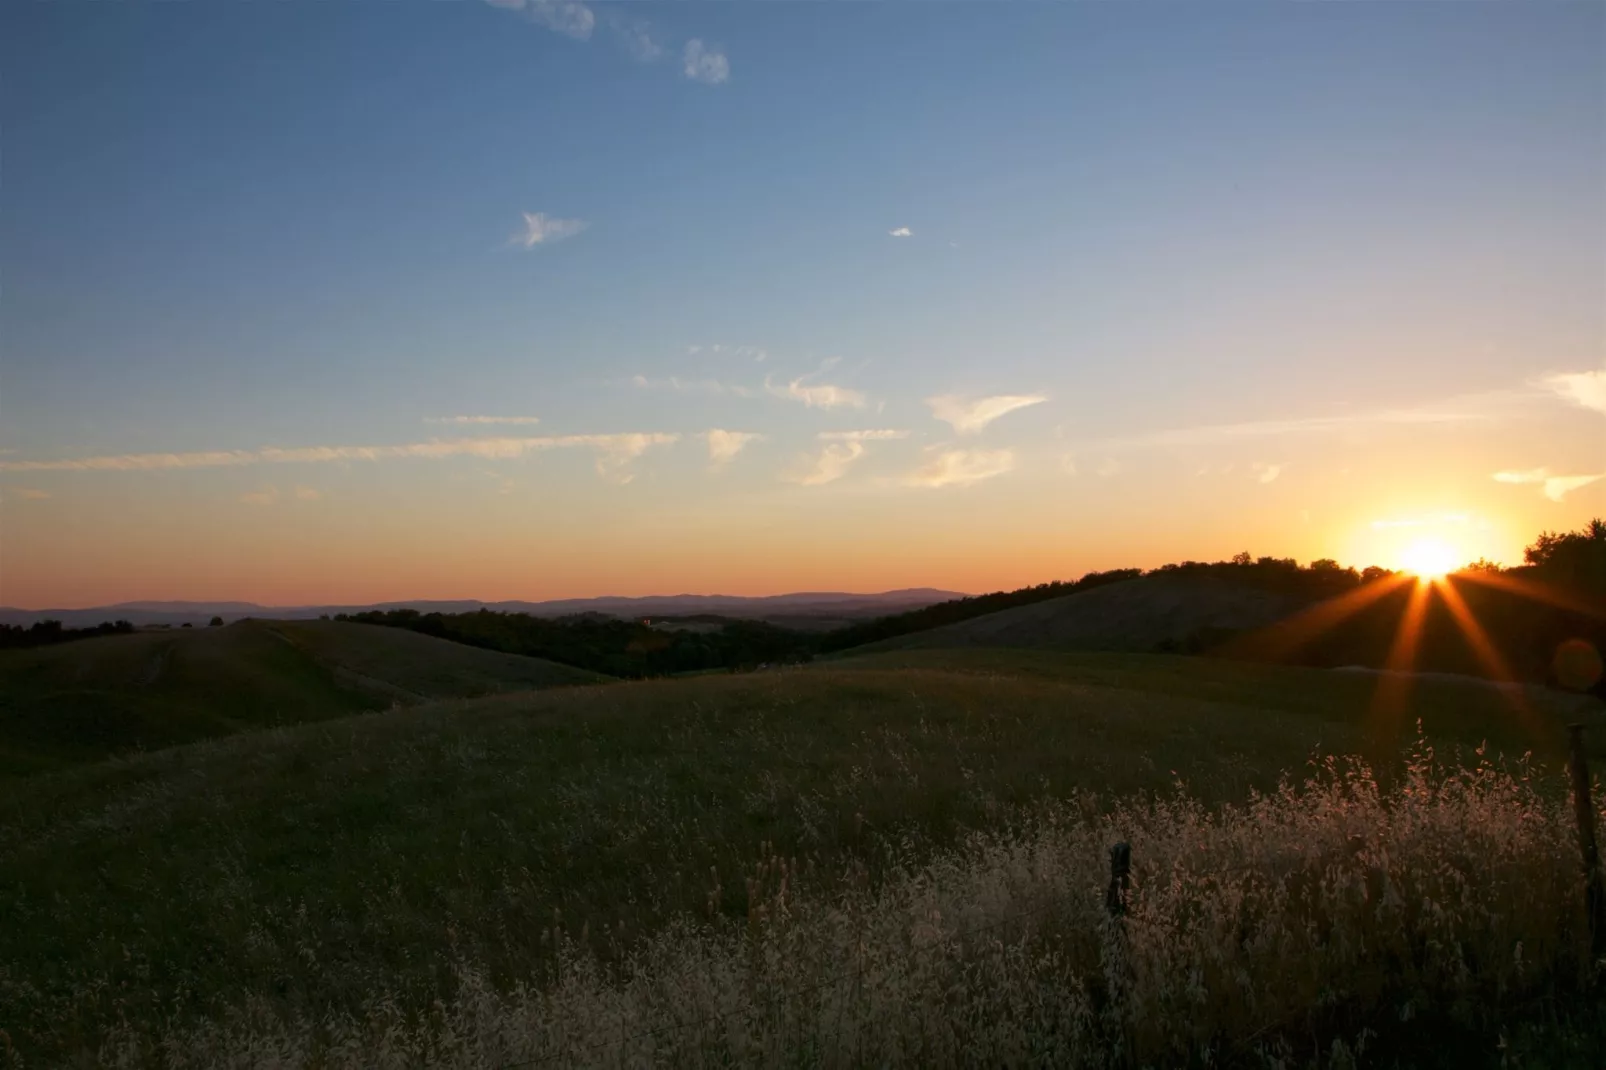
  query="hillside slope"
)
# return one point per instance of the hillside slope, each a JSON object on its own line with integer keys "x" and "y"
{"x": 1139, "y": 615}
{"x": 316, "y": 863}
{"x": 89, "y": 699}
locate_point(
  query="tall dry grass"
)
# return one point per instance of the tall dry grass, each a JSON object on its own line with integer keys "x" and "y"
{"x": 1297, "y": 929}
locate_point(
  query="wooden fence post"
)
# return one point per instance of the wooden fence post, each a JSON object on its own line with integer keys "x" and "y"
{"x": 1120, "y": 879}
{"x": 1584, "y": 812}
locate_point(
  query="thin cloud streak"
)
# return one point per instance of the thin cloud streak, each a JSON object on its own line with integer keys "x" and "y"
{"x": 878, "y": 435}
{"x": 1213, "y": 434}
{"x": 613, "y": 447}
{"x": 482, "y": 419}
{"x": 692, "y": 386}
{"x": 1555, "y": 487}
{"x": 958, "y": 468}
{"x": 970, "y": 417}
{"x": 901, "y": 232}
{"x": 542, "y": 229}
{"x": 818, "y": 396}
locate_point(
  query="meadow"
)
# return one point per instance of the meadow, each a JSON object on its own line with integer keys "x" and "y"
{"x": 542, "y": 875}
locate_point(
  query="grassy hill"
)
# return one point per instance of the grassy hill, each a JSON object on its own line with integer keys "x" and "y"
{"x": 95, "y": 697}
{"x": 1138, "y": 615}
{"x": 315, "y": 867}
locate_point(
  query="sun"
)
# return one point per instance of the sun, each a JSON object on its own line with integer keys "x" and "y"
{"x": 1430, "y": 559}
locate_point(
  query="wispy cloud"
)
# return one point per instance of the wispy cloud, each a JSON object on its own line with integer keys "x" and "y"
{"x": 307, "y": 494}
{"x": 265, "y": 496}
{"x": 723, "y": 446}
{"x": 756, "y": 353}
{"x": 678, "y": 385}
{"x": 831, "y": 464}
{"x": 27, "y": 494}
{"x": 705, "y": 63}
{"x": 636, "y": 35}
{"x": 614, "y": 452}
{"x": 482, "y": 419}
{"x": 968, "y": 417}
{"x": 1471, "y": 410}
{"x": 817, "y": 395}
{"x": 1581, "y": 388}
{"x": 901, "y": 232}
{"x": 570, "y": 18}
{"x": 958, "y": 468}
{"x": 1555, "y": 487}
{"x": 876, "y": 435}
{"x": 542, "y": 229}
{"x": 1266, "y": 473}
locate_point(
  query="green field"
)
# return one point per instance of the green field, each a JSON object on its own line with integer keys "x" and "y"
{"x": 309, "y": 867}
{"x": 92, "y": 698}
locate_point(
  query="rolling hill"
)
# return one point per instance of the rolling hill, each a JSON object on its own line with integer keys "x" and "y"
{"x": 92, "y": 698}
{"x": 314, "y": 866}
{"x": 1138, "y": 615}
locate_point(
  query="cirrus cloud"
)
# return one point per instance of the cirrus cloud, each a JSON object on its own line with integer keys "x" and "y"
{"x": 960, "y": 468}
{"x": 817, "y": 395}
{"x": 1555, "y": 487}
{"x": 542, "y": 229}
{"x": 970, "y": 417}
{"x": 614, "y": 453}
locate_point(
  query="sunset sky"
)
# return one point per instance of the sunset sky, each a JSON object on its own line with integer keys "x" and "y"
{"x": 313, "y": 303}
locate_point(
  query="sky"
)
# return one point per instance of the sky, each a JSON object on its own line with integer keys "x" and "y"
{"x": 318, "y": 303}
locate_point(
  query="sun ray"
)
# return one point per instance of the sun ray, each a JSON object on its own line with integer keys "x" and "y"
{"x": 1281, "y": 639}
{"x": 1534, "y": 591}
{"x": 1391, "y": 698}
{"x": 1484, "y": 649}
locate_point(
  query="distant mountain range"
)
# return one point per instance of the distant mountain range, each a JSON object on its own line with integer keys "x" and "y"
{"x": 815, "y": 605}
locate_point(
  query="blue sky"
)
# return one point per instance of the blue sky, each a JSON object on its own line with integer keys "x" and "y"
{"x": 1354, "y": 234}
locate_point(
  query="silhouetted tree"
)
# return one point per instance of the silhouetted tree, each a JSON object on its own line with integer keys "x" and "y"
{"x": 215, "y": 622}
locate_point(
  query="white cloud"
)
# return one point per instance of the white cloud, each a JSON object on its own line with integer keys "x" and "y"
{"x": 482, "y": 419}
{"x": 1266, "y": 473}
{"x": 568, "y": 17}
{"x": 1581, "y": 388}
{"x": 542, "y": 229}
{"x": 636, "y": 35}
{"x": 1472, "y": 409}
{"x": 692, "y": 386}
{"x": 723, "y": 446}
{"x": 969, "y": 417}
{"x": 958, "y": 468}
{"x": 878, "y": 435}
{"x": 1555, "y": 487}
{"x": 614, "y": 451}
{"x": 705, "y": 63}
{"x": 832, "y": 463}
{"x": 818, "y": 396}
{"x": 901, "y": 232}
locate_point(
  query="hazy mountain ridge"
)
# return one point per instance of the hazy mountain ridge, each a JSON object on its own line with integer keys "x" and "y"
{"x": 803, "y": 603}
